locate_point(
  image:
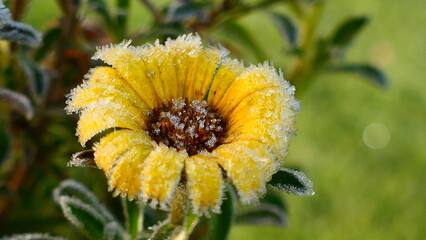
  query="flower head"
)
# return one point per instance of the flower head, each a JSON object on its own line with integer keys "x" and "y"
{"x": 184, "y": 114}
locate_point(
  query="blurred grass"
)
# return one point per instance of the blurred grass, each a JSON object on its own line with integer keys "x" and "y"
{"x": 361, "y": 193}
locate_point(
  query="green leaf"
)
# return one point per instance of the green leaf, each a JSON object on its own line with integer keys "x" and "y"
{"x": 292, "y": 181}
{"x": 32, "y": 236}
{"x": 365, "y": 71}
{"x": 114, "y": 231}
{"x": 16, "y": 31}
{"x": 17, "y": 101}
{"x": 49, "y": 39}
{"x": 347, "y": 31}
{"x": 85, "y": 212}
{"x": 188, "y": 10}
{"x": 287, "y": 28}
{"x": 240, "y": 35}
{"x": 271, "y": 211}
{"x": 220, "y": 224}
{"x": 262, "y": 215}
{"x": 76, "y": 190}
{"x": 83, "y": 209}
{"x": 83, "y": 216}
{"x": 83, "y": 159}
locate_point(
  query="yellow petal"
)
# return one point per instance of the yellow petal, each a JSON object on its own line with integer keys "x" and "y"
{"x": 226, "y": 74}
{"x": 260, "y": 105}
{"x": 127, "y": 174}
{"x": 200, "y": 74}
{"x": 108, "y": 113}
{"x": 204, "y": 183}
{"x": 103, "y": 82}
{"x": 263, "y": 116}
{"x": 111, "y": 147}
{"x": 248, "y": 165}
{"x": 129, "y": 64}
{"x": 251, "y": 80}
{"x": 161, "y": 174}
{"x": 159, "y": 73}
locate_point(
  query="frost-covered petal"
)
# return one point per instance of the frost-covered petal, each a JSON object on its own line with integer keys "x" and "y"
{"x": 180, "y": 67}
{"x": 128, "y": 63}
{"x": 107, "y": 113}
{"x": 127, "y": 172}
{"x": 161, "y": 173}
{"x": 260, "y": 105}
{"x": 263, "y": 117}
{"x": 111, "y": 147}
{"x": 248, "y": 165}
{"x": 226, "y": 74}
{"x": 103, "y": 82}
{"x": 204, "y": 183}
{"x": 159, "y": 73}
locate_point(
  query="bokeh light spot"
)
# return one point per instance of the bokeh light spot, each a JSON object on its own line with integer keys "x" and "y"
{"x": 376, "y": 136}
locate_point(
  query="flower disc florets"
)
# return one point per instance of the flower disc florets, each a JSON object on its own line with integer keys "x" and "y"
{"x": 192, "y": 126}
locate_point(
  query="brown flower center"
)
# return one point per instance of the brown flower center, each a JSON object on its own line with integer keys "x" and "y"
{"x": 193, "y": 126}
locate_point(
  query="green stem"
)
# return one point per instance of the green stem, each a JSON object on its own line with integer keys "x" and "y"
{"x": 302, "y": 68}
{"x": 133, "y": 212}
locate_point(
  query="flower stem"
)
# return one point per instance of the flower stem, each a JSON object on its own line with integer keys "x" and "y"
{"x": 133, "y": 212}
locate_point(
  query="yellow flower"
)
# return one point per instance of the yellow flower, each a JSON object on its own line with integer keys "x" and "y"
{"x": 184, "y": 114}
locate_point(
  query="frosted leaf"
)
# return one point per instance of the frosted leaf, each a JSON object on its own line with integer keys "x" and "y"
{"x": 32, "y": 236}
{"x": 17, "y": 101}
{"x": 82, "y": 159}
{"x": 73, "y": 189}
{"x": 292, "y": 181}
{"x": 16, "y": 31}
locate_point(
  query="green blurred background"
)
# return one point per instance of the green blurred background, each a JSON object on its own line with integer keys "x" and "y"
{"x": 363, "y": 147}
